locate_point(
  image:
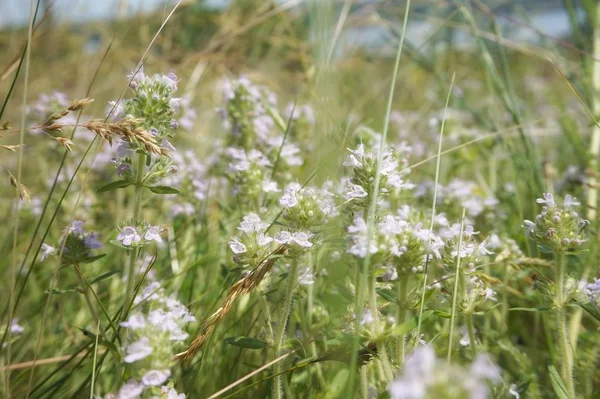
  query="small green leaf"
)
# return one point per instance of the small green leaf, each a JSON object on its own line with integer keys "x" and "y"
{"x": 104, "y": 276}
{"x": 557, "y": 384}
{"x": 388, "y": 295}
{"x": 163, "y": 190}
{"x": 592, "y": 309}
{"x": 114, "y": 185}
{"x": 246, "y": 342}
{"x": 296, "y": 345}
{"x": 111, "y": 346}
{"x": 91, "y": 259}
{"x": 56, "y": 291}
{"x": 529, "y": 309}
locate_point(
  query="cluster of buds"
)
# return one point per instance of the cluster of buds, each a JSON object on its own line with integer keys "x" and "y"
{"x": 558, "y": 226}
{"x": 307, "y": 207}
{"x": 251, "y": 245}
{"x": 78, "y": 244}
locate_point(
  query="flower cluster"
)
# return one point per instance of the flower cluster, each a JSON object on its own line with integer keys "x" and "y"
{"x": 425, "y": 376}
{"x": 246, "y": 112}
{"x": 78, "y": 244}
{"x": 307, "y": 207}
{"x": 394, "y": 242}
{"x": 360, "y": 187}
{"x": 152, "y": 335}
{"x": 249, "y": 174}
{"x": 558, "y": 226}
{"x": 139, "y": 236}
{"x": 49, "y": 104}
{"x": 251, "y": 245}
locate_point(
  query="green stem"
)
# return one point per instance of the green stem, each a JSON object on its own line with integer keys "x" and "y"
{"x": 285, "y": 312}
{"x": 471, "y": 330}
{"x": 566, "y": 362}
{"x": 401, "y": 316}
{"x": 137, "y": 207}
{"x": 88, "y": 299}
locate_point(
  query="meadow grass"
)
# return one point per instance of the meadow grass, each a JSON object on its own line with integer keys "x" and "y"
{"x": 243, "y": 204}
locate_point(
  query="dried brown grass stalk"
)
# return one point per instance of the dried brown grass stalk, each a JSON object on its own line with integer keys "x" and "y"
{"x": 128, "y": 129}
{"x": 242, "y": 287}
{"x": 23, "y": 191}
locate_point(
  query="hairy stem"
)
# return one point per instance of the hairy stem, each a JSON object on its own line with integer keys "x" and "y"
{"x": 566, "y": 361}
{"x": 285, "y": 312}
{"x": 401, "y": 316}
{"x": 137, "y": 208}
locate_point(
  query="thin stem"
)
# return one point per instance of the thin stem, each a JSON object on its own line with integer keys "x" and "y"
{"x": 455, "y": 291}
{"x": 137, "y": 207}
{"x": 88, "y": 299}
{"x": 401, "y": 316}
{"x": 566, "y": 362}
{"x": 471, "y": 331}
{"x": 285, "y": 312}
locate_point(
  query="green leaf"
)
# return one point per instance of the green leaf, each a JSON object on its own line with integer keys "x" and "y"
{"x": 118, "y": 244}
{"x": 246, "y": 342}
{"x": 557, "y": 384}
{"x": 407, "y": 326}
{"x": 114, "y": 185}
{"x": 104, "y": 276}
{"x": 91, "y": 259}
{"x": 163, "y": 190}
{"x": 592, "y": 309}
{"x": 529, "y": 309}
{"x": 296, "y": 345}
{"x": 388, "y": 295}
{"x": 56, "y": 291}
{"x": 111, "y": 346}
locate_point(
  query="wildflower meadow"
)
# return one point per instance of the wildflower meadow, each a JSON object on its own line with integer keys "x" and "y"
{"x": 301, "y": 199}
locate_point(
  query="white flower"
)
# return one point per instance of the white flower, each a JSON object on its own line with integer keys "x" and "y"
{"x": 355, "y": 191}
{"x": 529, "y": 225}
{"x": 152, "y": 234}
{"x": 135, "y": 322}
{"x": 46, "y": 251}
{"x": 128, "y": 235}
{"x": 288, "y": 200}
{"x": 367, "y": 317}
{"x": 483, "y": 367}
{"x": 138, "y": 350}
{"x": 172, "y": 393}
{"x": 514, "y": 391}
{"x": 236, "y": 246}
{"x": 156, "y": 377}
{"x": 490, "y": 294}
{"x": 283, "y": 237}
{"x": 131, "y": 390}
{"x": 306, "y": 276}
{"x": 301, "y": 238}
{"x": 548, "y": 200}
{"x": 263, "y": 239}
{"x": 269, "y": 186}
{"x": 571, "y": 201}
{"x": 15, "y": 327}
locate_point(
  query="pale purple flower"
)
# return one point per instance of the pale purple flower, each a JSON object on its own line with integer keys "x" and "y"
{"x": 129, "y": 235}
{"x": 571, "y": 201}
{"x": 301, "y": 238}
{"x": 91, "y": 241}
{"x": 367, "y": 317}
{"x": 172, "y": 393}
{"x": 153, "y": 234}
{"x": 288, "y": 200}
{"x": 15, "y": 327}
{"x": 131, "y": 390}
{"x": 77, "y": 227}
{"x": 167, "y": 144}
{"x": 514, "y": 391}
{"x": 138, "y": 350}
{"x": 156, "y": 377}
{"x": 263, "y": 240}
{"x": 269, "y": 186}
{"x": 236, "y": 246}
{"x": 484, "y": 368}
{"x": 548, "y": 200}
{"x": 283, "y": 237}
{"x": 135, "y": 322}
